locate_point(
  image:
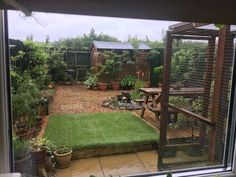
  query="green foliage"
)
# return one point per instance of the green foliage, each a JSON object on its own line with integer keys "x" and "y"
{"x": 136, "y": 94}
{"x": 153, "y": 54}
{"x": 91, "y": 80}
{"x": 181, "y": 102}
{"x": 25, "y": 95}
{"x": 110, "y": 64}
{"x": 135, "y": 41}
{"x": 159, "y": 71}
{"x": 63, "y": 150}
{"x": 37, "y": 144}
{"x": 219, "y": 26}
{"x": 84, "y": 42}
{"x": 57, "y": 66}
{"x": 128, "y": 81}
{"x": 197, "y": 105}
{"x": 169, "y": 174}
{"x": 21, "y": 148}
{"x": 33, "y": 60}
{"x": 182, "y": 66}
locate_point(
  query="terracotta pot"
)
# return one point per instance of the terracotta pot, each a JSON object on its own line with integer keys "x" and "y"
{"x": 63, "y": 160}
{"x": 127, "y": 87}
{"x": 26, "y": 135}
{"x": 39, "y": 156}
{"x": 115, "y": 85}
{"x": 103, "y": 86}
{"x": 22, "y": 165}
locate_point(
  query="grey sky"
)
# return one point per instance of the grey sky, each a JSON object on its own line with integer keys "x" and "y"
{"x": 62, "y": 26}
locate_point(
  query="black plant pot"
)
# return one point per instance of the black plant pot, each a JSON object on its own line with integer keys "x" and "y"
{"x": 127, "y": 87}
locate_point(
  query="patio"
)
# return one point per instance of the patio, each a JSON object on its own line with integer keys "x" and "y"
{"x": 116, "y": 165}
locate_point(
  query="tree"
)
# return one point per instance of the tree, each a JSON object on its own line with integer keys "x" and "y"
{"x": 47, "y": 40}
{"x": 85, "y": 41}
{"x": 32, "y": 60}
{"x": 135, "y": 41}
{"x": 30, "y": 37}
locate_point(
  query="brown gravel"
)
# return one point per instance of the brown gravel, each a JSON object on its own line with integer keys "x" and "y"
{"x": 77, "y": 99}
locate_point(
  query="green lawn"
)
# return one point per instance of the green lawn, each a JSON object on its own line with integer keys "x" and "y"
{"x": 99, "y": 129}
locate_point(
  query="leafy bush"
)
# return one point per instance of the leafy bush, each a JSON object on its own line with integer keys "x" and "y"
{"x": 91, "y": 81}
{"x": 33, "y": 60}
{"x": 136, "y": 94}
{"x": 37, "y": 144}
{"x": 128, "y": 82}
{"x": 159, "y": 70}
{"x": 153, "y": 54}
{"x": 109, "y": 65}
{"x": 57, "y": 66}
{"x": 25, "y": 96}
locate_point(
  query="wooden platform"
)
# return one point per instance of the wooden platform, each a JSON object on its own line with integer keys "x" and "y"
{"x": 172, "y": 132}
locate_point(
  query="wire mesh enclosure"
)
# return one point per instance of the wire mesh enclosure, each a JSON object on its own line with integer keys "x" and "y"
{"x": 196, "y": 85}
{"x": 78, "y": 64}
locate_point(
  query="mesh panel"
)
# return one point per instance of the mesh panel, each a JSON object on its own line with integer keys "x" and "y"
{"x": 195, "y": 103}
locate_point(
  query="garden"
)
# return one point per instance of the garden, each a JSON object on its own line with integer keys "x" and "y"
{"x": 57, "y": 118}
{"x": 42, "y": 137}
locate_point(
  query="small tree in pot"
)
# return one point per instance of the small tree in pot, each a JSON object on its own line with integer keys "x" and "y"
{"x": 63, "y": 156}
{"x": 128, "y": 82}
{"x": 25, "y": 100}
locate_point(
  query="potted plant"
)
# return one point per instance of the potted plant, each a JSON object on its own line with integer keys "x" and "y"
{"x": 159, "y": 71}
{"x": 38, "y": 149}
{"x": 25, "y": 128}
{"x": 63, "y": 156}
{"x": 25, "y": 100}
{"x": 128, "y": 82}
{"x": 91, "y": 81}
{"x": 136, "y": 94}
{"x": 21, "y": 154}
{"x": 115, "y": 85}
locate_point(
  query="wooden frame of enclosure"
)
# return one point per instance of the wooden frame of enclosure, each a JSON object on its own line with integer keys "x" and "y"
{"x": 223, "y": 56}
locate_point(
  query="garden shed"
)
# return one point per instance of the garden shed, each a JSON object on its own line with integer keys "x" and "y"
{"x": 135, "y": 60}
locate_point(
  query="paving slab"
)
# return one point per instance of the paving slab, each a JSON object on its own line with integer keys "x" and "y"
{"x": 149, "y": 159}
{"x": 120, "y": 165}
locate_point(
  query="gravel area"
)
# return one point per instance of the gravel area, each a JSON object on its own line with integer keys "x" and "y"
{"x": 78, "y": 99}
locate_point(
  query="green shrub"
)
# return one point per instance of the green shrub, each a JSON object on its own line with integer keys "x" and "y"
{"x": 33, "y": 60}
{"x": 91, "y": 81}
{"x": 136, "y": 94}
{"x": 109, "y": 65}
{"x": 128, "y": 82}
{"x": 159, "y": 71}
{"x": 25, "y": 97}
{"x": 57, "y": 66}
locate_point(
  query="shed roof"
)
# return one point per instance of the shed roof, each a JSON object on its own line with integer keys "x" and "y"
{"x": 118, "y": 45}
{"x": 143, "y": 46}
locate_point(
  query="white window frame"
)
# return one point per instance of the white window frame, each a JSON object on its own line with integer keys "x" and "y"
{"x": 5, "y": 129}
{"x": 6, "y": 161}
